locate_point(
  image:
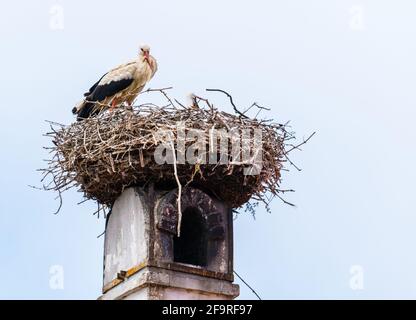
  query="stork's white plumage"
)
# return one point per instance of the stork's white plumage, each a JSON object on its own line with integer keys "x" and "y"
{"x": 119, "y": 85}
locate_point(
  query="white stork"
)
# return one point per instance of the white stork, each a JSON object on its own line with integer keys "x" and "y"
{"x": 119, "y": 85}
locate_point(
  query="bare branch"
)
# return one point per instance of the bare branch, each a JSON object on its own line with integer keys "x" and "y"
{"x": 231, "y": 101}
{"x": 301, "y": 144}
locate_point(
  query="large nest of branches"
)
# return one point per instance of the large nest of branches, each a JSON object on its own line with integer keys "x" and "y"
{"x": 103, "y": 155}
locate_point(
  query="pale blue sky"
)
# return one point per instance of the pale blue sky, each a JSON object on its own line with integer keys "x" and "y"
{"x": 312, "y": 62}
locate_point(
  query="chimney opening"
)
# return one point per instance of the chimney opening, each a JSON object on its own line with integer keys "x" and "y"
{"x": 191, "y": 246}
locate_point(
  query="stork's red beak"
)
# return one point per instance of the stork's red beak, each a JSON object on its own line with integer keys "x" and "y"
{"x": 146, "y": 56}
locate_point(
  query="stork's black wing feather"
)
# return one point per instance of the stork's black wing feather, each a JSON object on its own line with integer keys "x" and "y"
{"x": 109, "y": 89}
{"x": 86, "y": 94}
{"x": 87, "y": 110}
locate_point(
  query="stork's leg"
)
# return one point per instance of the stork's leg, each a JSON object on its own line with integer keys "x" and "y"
{"x": 113, "y": 104}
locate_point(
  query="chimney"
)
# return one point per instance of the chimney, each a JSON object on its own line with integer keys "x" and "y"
{"x": 144, "y": 259}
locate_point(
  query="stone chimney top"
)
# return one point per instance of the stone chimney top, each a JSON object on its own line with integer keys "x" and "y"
{"x": 145, "y": 259}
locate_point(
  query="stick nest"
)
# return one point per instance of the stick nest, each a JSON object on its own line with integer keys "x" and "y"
{"x": 103, "y": 155}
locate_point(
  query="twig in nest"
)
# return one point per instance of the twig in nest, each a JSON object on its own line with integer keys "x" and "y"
{"x": 231, "y": 101}
{"x": 60, "y": 202}
{"x": 175, "y": 170}
{"x": 302, "y": 143}
{"x": 255, "y": 104}
{"x": 292, "y": 163}
{"x": 156, "y": 89}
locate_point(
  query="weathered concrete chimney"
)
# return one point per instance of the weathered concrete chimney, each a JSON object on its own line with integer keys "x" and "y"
{"x": 144, "y": 258}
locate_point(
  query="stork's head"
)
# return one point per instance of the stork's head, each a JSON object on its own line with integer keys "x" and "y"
{"x": 145, "y": 52}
